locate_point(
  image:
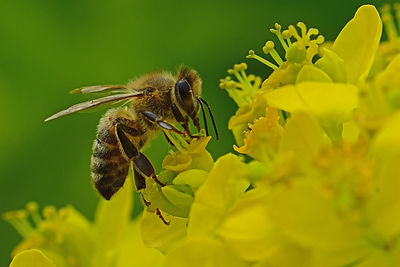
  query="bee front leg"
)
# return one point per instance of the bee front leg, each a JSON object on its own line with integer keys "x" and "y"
{"x": 162, "y": 123}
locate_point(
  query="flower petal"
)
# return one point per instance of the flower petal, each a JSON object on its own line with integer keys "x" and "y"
{"x": 194, "y": 178}
{"x": 307, "y": 217}
{"x": 332, "y": 65}
{"x": 163, "y": 237}
{"x": 358, "y": 41}
{"x": 331, "y": 103}
{"x": 133, "y": 251}
{"x": 203, "y": 252}
{"x": 250, "y": 243}
{"x": 384, "y": 208}
{"x": 225, "y": 184}
{"x": 111, "y": 219}
{"x": 31, "y": 258}
{"x": 302, "y": 136}
{"x": 312, "y": 74}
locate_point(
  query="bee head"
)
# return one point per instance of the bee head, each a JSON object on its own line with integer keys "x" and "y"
{"x": 187, "y": 91}
{"x": 188, "y": 96}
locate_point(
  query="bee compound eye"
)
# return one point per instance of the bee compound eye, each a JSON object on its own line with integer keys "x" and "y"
{"x": 183, "y": 90}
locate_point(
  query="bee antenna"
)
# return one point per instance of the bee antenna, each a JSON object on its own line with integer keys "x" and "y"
{"x": 212, "y": 117}
{"x": 204, "y": 116}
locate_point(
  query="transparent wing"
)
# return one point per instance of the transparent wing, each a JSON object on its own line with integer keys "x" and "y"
{"x": 111, "y": 89}
{"x": 114, "y": 99}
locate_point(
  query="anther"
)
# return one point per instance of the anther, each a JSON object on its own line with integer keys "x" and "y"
{"x": 32, "y": 208}
{"x": 312, "y": 31}
{"x": 269, "y": 49}
{"x": 262, "y": 60}
{"x": 49, "y": 212}
{"x": 303, "y": 28}
{"x": 278, "y": 33}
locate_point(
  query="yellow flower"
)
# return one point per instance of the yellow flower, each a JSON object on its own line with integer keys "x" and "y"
{"x": 164, "y": 223}
{"x": 389, "y": 48}
{"x": 65, "y": 238}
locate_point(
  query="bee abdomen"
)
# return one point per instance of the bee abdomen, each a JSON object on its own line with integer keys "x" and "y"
{"x": 109, "y": 168}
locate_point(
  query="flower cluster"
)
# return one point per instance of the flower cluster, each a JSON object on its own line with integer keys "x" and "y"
{"x": 321, "y": 186}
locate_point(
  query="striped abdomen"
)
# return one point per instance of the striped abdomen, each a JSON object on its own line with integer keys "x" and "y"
{"x": 109, "y": 168}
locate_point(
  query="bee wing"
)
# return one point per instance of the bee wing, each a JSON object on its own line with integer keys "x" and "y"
{"x": 100, "y": 89}
{"x": 95, "y": 102}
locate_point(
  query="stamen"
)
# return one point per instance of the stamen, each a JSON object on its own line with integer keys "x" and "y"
{"x": 286, "y": 35}
{"x": 311, "y": 52}
{"x": 22, "y": 216}
{"x": 388, "y": 21}
{"x": 396, "y": 7}
{"x": 49, "y": 212}
{"x": 174, "y": 141}
{"x": 262, "y": 60}
{"x": 303, "y": 28}
{"x": 32, "y": 208}
{"x": 277, "y": 32}
{"x": 269, "y": 49}
{"x": 293, "y": 32}
{"x": 312, "y": 31}
{"x": 10, "y": 217}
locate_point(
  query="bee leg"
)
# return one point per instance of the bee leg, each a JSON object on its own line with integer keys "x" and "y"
{"x": 162, "y": 123}
{"x": 147, "y": 203}
{"x": 158, "y": 212}
{"x": 168, "y": 140}
{"x": 184, "y": 122}
{"x": 143, "y": 165}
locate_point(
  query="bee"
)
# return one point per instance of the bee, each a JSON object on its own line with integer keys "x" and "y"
{"x": 152, "y": 102}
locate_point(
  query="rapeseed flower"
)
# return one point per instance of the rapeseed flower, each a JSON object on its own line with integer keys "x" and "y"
{"x": 320, "y": 187}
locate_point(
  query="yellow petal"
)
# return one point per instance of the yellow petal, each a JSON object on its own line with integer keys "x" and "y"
{"x": 156, "y": 197}
{"x": 194, "y": 178}
{"x": 384, "y": 207}
{"x": 358, "y": 41}
{"x": 203, "y": 161}
{"x": 111, "y": 219}
{"x": 287, "y": 255}
{"x": 332, "y": 65}
{"x": 307, "y": 217}
{"x": 203, "y": 252}
{"x": 133, "y": 251}
{"x": 177, "y": 162}
{"x": 312, "y": 74}
{"x": 178, "y": 198}
{"x": 225, "y": 184}
{"x": 163, "y": 237}
{"x": 303, "y": 137}
{"x": 198, "y": 145}
{"x": 331, "y": 103}
{"x": 257, "y": 241}
{"x": 31, "y": 258}
{"x": 390, "y": 78}
{"x": 376, "y": 258}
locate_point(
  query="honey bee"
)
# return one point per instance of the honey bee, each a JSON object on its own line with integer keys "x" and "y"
{"x": 154, "y": 101}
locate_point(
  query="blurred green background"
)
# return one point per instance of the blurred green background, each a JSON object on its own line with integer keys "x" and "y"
{"x": 50, "y": 47}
